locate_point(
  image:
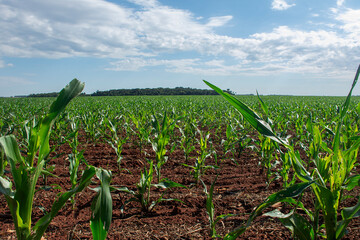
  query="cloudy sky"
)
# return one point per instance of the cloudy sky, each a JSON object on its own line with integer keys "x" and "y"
{"x": 299, "y": 47}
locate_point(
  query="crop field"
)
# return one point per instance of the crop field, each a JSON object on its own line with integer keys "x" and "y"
{"x": 179, "y": 167}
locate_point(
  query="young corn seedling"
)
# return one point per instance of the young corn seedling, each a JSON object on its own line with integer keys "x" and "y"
{"x": 141, "y": 130}
{"x": 91, "y": 125}
{"x": 143, "y": 193}
{"x": 199, "y": 167}
{"x": 115, "y": 141}
{"x": 210, "y": 209}
{"x": 233, "y": 142}
{"x": 76, "y": 156}
{"x": 269, "y": 160}
{"x": 187, "y": 139}
{"x": 331, "y": 175}
{"x": 269, "y": 148}
{"x": 160, "y": 139}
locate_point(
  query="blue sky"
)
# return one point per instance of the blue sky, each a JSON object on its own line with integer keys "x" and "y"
{"x": 298, "y": 47}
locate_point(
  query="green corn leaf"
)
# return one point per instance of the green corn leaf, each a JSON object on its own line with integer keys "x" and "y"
{"x": 336, "y": 143}
{"x": 124, "y": 189}
{"x": 72, "y": 90}
{"x": 101, "y": 207}
{"x": 299, "y": 168}
{"x": 42, "y": 224}
{"x": 11, "y": 150}
{"x": 298, "y": 225}
{"x": 352, "y": 182}
{"x": 354, "y": 147}
{"x": 347, "y": 215}
{"x": 251, "y": 116}
{"x": 5, "y": 187}
{"x": 291, "y": 192}
{"x": 39, "y": 139}
{"x": 263, "y": 104}
{"x": 165, "y": 183}
{"x": 327, "y": 202}
{"x": 25, "y": 182}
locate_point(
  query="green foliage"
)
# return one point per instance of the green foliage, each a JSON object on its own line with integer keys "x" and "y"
{"x": 25, "y": 174}
{"x": 210, "y": 209}
{"x": 143, "y": 193}
{"x": 160, "y": 139}
{"x": 101, "y": 207}
{"x": 332, "y": 173}
{"x": 114, "y": 140}
{"x": 200, "y": 166}
{"x": 188, "y": 137}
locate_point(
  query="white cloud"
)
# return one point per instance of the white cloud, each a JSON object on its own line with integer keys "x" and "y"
{"x": 218, "y": 21}
{"x": 280, "y": 5}
{"x": 135, "y": 64}
{"x": 339, "y": 3}
{"x": 137, "y": 38}
{"x": 3, "y": 64}
{"x": 350, "y": 19}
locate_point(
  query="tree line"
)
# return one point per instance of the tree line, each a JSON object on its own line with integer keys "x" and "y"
{"x": 143, "y": 91}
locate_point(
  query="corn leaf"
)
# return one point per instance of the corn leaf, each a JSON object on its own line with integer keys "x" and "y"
{"x": 101, "y": 207}
{"x": 336, "y": 143}
{"x": 297, "y": 224}
{"x": 352, "y": 182}
{"x": 251, "y": 116}
{"x": 43, "y": 222}
{"x": 165, "y": 183}
{"x": 292, "y": 191}
{"x": 263, "y": 105}
{"x": 327, "y": 201}
{"x": 347, "y": 214}
{"x": 40, "y": 134}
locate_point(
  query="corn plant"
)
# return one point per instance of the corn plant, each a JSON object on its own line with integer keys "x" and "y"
{"x": 140, "y": 129}
{"x": 200, "y": 166}
{"x": 143, "y": 193}
{"x": 115, "y": 141}
{"x": 187, "y": 140}
{"x": 234, "y": 143}
{"x": 160, "y": 139}
{"x": 269, "y": 157}
{"x": 91, "y": 125}
{"x": 268, "y": 148}
{"x": 210, "y": 209}
{"x": 25, "y": 174}
{"x": 331, "y": 175}
{"x": 76, "y": 156}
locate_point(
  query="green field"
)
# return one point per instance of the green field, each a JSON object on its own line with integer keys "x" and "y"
{"x": 320, "y": 152}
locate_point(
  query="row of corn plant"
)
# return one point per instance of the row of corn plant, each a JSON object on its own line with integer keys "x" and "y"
{"x": 331, "y": 175}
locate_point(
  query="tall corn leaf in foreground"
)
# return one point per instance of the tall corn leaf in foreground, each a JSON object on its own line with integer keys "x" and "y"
{"x": 330, "y": 176}
{"x": 25, "y": 174}
{"x": 101, "y": 207}
{"x": 251, "y": 116}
